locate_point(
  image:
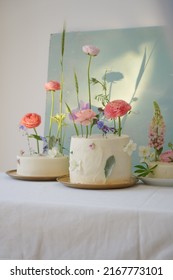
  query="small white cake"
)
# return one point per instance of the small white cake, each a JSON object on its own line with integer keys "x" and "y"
{"x": 42, "y": 166}
{"x": 100, "y": 159}
{"x": 164, "y": 170}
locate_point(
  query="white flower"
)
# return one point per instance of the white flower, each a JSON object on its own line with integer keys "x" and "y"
{"x": 144, "y": 151}
{"x": 130, "y": 147}
{"x": 75, "y": 165}
{"x": 54, "y": 153}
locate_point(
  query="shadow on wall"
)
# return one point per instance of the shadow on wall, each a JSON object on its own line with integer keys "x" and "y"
{"x": 136, "y": 64}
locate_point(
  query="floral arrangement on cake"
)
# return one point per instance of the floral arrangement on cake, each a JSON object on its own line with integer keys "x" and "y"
{"x": 108, "y": 117}
{"x": 52, "y": 144}
{"x": 103, "y": 157}
{"x": 153, "y": 152}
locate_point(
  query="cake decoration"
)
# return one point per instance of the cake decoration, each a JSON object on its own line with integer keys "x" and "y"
{"x": 108, "y": 159}
{"x": 109, "y": 165}
{"x": 51, "y": 159}
{"x": 154, "y": 161}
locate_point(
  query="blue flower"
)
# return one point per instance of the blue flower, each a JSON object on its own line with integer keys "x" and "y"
{"x": 22, "y": 127}
{"x": 45, "y": 144}
{"x": 105, "y": 129}
{"x": 100, "y": 124}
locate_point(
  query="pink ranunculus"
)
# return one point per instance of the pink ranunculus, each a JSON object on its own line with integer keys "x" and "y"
{"x": 31, "y": 120}
{"x": 167, "y": 156}
{"x": 85, "y": 117}
{"x": 90, "y": 50}
{"x": 82, "y": 106}
{"x": 116, "y": 108}
{"x": 52, "y": 86}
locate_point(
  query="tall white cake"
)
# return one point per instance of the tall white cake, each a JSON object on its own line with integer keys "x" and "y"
{"x": 42, "y": 166}
{"x": 100, "y": 160}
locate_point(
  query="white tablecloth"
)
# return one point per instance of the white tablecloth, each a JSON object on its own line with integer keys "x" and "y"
{"x": 47, "y": 220}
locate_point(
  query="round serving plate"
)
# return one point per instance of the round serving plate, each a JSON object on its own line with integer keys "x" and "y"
{"x": 118, "y": 185}
{"x": 13, "y": 174}
{"x": 157, "y": 181}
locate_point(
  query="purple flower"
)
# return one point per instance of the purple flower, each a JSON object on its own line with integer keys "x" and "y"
{"x": 104, "y": 128}
{"x": 22, "y": 127}
{"x": 45, "y": 144}
{"x": 100, "y": 124}
{"x": 72, "y": 115}
{"x": 83, "y": 105}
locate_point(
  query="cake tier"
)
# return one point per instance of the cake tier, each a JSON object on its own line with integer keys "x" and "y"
{"x": 99, "y": 160}
{"x": 164, "y": 170}
{"x": 42, "y": 166}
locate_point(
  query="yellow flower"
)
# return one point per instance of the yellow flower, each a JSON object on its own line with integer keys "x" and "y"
{"x": 59, "y": 118}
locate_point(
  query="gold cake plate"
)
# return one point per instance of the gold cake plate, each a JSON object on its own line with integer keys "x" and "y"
{"x": 117, "y": 185}
{"x": 13, "y": 174}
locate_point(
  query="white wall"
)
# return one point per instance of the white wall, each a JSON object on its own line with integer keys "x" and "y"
{"x": 25, "y": 28}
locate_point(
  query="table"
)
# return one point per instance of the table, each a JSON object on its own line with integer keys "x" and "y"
{"x": 47, "y": 220}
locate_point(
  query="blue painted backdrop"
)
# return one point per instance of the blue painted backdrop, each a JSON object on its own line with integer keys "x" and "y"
{"x": 139, "y": 69}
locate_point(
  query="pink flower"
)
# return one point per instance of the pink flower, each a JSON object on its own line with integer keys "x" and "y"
{"x": 167, "y": 156}
{"x": 92, "y": 146}
{"x": 82, "y": 106}
{"x": 85, "y": 117}
{"x": 157, "y": 129}
{"x": 31, "y": 120}
{"x": 90, "y": 50}
{"x": 52, "y": 86}
{"x": 116, "y": 108}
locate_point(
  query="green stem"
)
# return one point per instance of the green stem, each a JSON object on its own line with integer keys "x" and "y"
{"x": 81, "y": 130}
{"x": 51, "y": 115}
{"x": 119, "y": 126}
{"x": 38, "y": 150}
{"x": 89, "y": 88}
{"x": 91, "y": 129}
{"x": 156, "y": 155}
{"x": 86, "y": 131}
{"x": 60, "y": 107}
{"x": 115, "y": 127}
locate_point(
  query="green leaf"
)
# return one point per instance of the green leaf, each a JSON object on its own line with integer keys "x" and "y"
{"x": 143, "y": 171}
{"x": 94, "y": 81}
{"x": 170, "y": 145}
{"x": 141, "y": 71}
{"x": 76, "y": 83}
{"x": 52, "y": 141}
{"x": 63, "y": 40}
{"x": 37, "y": 137}
{"x": 140, "y": 166}
{"x": 75, "y": 126}
{"x": 109, "y": 166}
{"x": 140, "y": 170}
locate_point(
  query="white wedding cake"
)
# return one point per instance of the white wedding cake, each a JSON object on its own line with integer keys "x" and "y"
{"x": 42, "y": 166}
{"x": 100, "y": 159}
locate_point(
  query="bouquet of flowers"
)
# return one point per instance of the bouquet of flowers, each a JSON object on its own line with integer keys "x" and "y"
{"x": 154, "y": 151}
{"x": 85, "y": 116}
{"x": 52, "y": 144}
